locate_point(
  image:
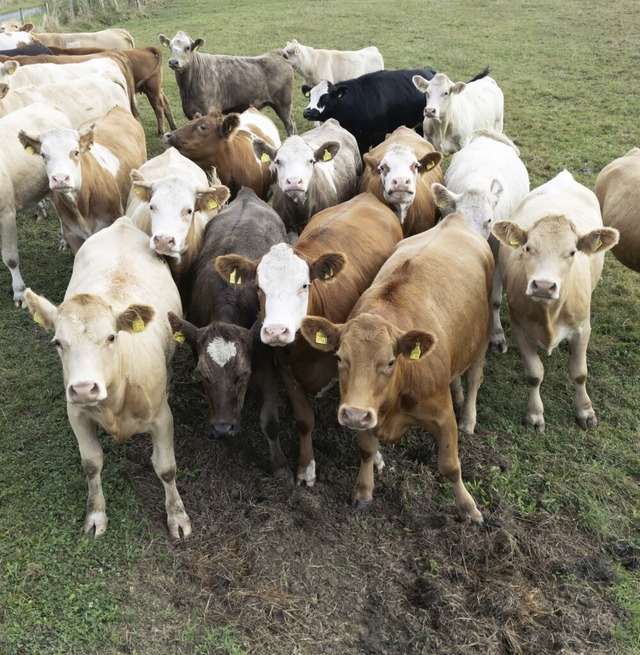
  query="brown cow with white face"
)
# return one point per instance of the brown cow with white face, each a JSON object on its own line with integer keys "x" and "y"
{"x": 551, "y": 257}
{"x": 423, "y": 323}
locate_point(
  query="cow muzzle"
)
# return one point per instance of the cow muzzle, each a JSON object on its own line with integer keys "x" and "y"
{"x": 430, "y": 112}
{"x": 220, "y": 430}
{"x": 85, "y": 392}
{"x": 174, "y": 64}
{"x": 541, "y": 289}
{"x": 276, "y": 335}
{"x": 164, "y": 244}
{"x": 60, "y": 182}
{"x": 311, "y": 114}
{"x": 170, "y": 140}
{"x": 357, "y": 418}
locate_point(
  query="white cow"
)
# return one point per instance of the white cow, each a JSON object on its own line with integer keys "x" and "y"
{"x": 115, "y": 343}
{"x": 314, "y": 65}
{"x": 11, "y": 40}
{"x": 23, "y": 180}
{"x": 12, "y": 73}
{"x": 551, "y": 258}
{"x": 454, "y": 111}
{"x": 485, "y": 182}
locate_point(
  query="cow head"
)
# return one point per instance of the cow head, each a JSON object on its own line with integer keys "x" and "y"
{"x": 181, "y": 49}
{"x": 283, "y": 278}
{"x": 399, "y": 169}
{"x": 438, "y": 93}
{"x": 223, "y": 358}
{"x": 12, "y": 26}
{"x": 293, "y": 163}
{"x": 475, "y": 204}
{"x": 62, "y": 150}
{"x": 6, "y": 71}
{"x": 548, "y": 250}
{"x": 291, "y": 51}
{"x": 367, "y": 348}
{"x": 87, "y": 336}
{"x": 176, "y": 207}
{"x": 323, "y": 100}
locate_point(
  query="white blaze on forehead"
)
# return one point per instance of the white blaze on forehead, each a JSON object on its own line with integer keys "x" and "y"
{"x": 318, "y": 90}
{"x": 180, "y": 41}
{"x": 221, "y": 351}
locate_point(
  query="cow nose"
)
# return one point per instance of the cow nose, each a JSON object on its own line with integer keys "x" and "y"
{"x": 544, "y": 288}
{"x": 60, "y": 179}
{"x": 400, "y": 183}
{"x": 173, "y": 63}
{"x": 293, "y": 183}
{"x": 356, "y": 417}
{"x": 83, "y": 392}
{"x": 221, "y": 430}
{"x": 163, "y": 243}
{"x": 168, "y": 138}
{"x": 430, "y": 112}
{"x": 275, "y": 334}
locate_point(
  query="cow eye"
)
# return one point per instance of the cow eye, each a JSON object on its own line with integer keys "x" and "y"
{"x": 391, "y": 362}
{"x": 152, "y": 208}
{"x": 111, "y": 338}
{"x": 202, "y": 128}
{"x": 339, "y": 358}
{"x": 304, "y": 287}
{"x": 572, "y": 253}
{"x": 189, "y": 211}
{"x": 445, "y": 94}
{"x": 76, "y": 153}
{"x": 527, "y": 249}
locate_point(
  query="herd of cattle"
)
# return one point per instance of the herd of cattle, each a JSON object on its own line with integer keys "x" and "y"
{"x": 369, "y": 265}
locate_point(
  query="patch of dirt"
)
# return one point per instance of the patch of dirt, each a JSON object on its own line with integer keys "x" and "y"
{"x": 297, "y": 570}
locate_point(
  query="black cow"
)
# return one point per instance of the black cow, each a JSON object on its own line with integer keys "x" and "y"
{"x": 30, "y": 50}
{"x": 223, "y": 330}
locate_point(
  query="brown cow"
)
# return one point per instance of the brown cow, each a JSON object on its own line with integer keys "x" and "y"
{"x": 400, "y": 172}
{"x": 354, "y": 239}
{"x": 424, "y": 322}
{"x": 225, "y": 141}
{"x": 618, "y": 192}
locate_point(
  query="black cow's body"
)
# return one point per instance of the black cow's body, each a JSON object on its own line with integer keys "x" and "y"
{"x": 30, "y": 50}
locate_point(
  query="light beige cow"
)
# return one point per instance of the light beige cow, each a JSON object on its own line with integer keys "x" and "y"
{"x": 551, "y": 258}
{"x": 115, "y": 344}
{"x": 114, "y": 37}
{"x": 618, "y": 192}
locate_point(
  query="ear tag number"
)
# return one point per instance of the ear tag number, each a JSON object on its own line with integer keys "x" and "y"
{"x": 415, "y": 353}
{"x": 234, "y": 278}
{"x": 321, "y": 337}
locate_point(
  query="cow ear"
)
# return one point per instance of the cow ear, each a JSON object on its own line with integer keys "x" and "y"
{"x": 509, "y": 234}
{"x": 198, "y": 43}
{"x": 598, "y": 241}
{"x": 415, "y": 344}
{"x": 420, "y": 83}
{"x": 429, "y": 161}
{"x": 264, "y": 152}
{"x": 458, "y": 87}
{"x": 164, "y": 41}
{"x": 496, "y": 191}
{"x": 230, "y": 123}
{"x": 370, "y": 161}
{"x": 327, "y": 151}
{"x": 235, "y": 269}
{"x": 87, "y": 136}
{"x": 4, "y": 89}
{"x": 211, "y": 200}
{"x": 140, "y": 187}
{"x": 326, "y": 266}
{"x": 31, "y": 144}
{"x": 306, "y": 90}
{"x": 27, "y": 27}
{"x": 321, "y": 333}
{"x": 10, "y": 67}
{"x": 337, "y": 91}
{"x": 183, "y": 330}
{"x": 445, "y": 199}
{"x": 135, "y": 318}
{"x": 44, "y": 313}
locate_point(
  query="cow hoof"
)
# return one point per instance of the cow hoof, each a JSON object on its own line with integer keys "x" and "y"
{"x": 95, "y": 524}
{"x": 179, "y": 525}
{"x": 588, "y": 422}
{"x": 284, "y": 473}
{"x": 471, "y": 516}
{"x": 360, "y": 505}
{"x": 467, "y": 427}
{"x": 499, "y": 346}
{"x": 378, "y": 462}
{"x": 307, "y": 475}
{"x": 536, "y": 422}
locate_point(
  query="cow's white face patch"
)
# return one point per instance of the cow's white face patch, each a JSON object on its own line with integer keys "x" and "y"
{"x": 180, "y": 51}
{"x": 476, "y": 205}
{"x": 399, "y": 170}
{"x": 60, "y": 151}
{"x": 320, "y": 89}
{"x": 438, "y": 96}
{"x": 221, "y": 351}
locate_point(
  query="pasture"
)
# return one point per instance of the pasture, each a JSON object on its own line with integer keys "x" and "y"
{"x": 273, "y": 570}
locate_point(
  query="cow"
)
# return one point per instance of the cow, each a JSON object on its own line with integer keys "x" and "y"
{"x": 23, "y": 180}
{"x": 405, "y": 345}
{"x": 171, "y": 201}
{"x": 454, "y": 111}
{"x": 485, "y": 182}
{"x": 12, "y": 25}
{"x": 10, "y": 40}
{"x": 223, "y": 330}
{"x": 313, "y": 171}
{"x": 551, "y": 257}
{"x": 369, "y": 106}
{"x": 313, "y": 64}
{"x": 112, "y": 38}
{"x": 227, "y": 83}
{"x": 325, "y": 272}
{"x": 618, "y": 192}
{"x": 399, "y": 172}
{"x": 225, "y": 141}
{"x": 31, "y": 50}
{"x": 89, "y": 170}
{"x": 115, "y": 344}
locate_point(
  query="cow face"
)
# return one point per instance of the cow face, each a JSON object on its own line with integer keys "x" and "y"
{"x": 367, "y": 349}
{"x": 6, "y": 71}
{"x": 438, "y": 93}
{"x": 476, "y": 205}
{"x": 181, "y": 49}
{"x": 548, "y": 251}
{"x": 323, "y": 100}
{"x": 175, "y": 207}
{"x": 295, "y": 161}
{"x": 223, "y": 355}
{"x": 87, "y": 334}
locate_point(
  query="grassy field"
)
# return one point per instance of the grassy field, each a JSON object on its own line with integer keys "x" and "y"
{"x": 273, "y": 570}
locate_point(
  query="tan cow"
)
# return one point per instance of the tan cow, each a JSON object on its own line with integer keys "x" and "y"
{"x": 618, "y": 192}
{"x": 423, "y": 323}
{"x": 115, "y": 345}
{"x": 335, "y": 259}
{"x": 89, "y": 171}
{"x": 399, "y": 172}
{"x": 551, "y": 258}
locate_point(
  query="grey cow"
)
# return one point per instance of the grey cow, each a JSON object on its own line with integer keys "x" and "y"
{"x": 228, "y": 83}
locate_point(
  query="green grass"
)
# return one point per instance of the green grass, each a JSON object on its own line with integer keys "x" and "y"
{"x": 569, "y": 73}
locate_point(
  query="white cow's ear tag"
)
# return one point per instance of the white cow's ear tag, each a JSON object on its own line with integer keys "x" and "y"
{"x": 326, "y": 156}
{"x": 265, "y": 157}
{"x": 211, "y": 204}
{"x": 38, "y": 319}
{"x": 513, "y": 241}
{"x": 321, "y": 337}
{"x": 179, "y": 336}
{"x": 234, "y": 278}
{"x": 29, "y": 150}
{"x": 138, "y": 324}
{"x": 416, "y": 352}
{"x": 138, "y": 191}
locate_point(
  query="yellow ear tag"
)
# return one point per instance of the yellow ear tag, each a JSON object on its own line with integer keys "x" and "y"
{"x": 38, "y": 319}
{"x": 12, "y": 71}
{"x": 138, "y": 191}
{"x": 178, "y": 336}
{"x": 321, "y": 337}
{"x": 326, "y": 156}
{"x": 597, "y": 245}
{"x": 265, "y": 157}
{"x": 138, "y": 324}
{"x": 442, "y": 204}
{"x": 234, "y": 278}
{"x": 430, "y": 165}
{"x": 329, "y": 274}
{"x": 29, "y": 150}
{"x": 212, "y": 204}
{"x": 307, "y": 94}
{"x": 415, "y": 353}
{"x": 513, "y": 241}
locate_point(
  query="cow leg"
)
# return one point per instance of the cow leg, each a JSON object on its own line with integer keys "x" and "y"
{"x": 164, "y": 464}
{"x": 578, "y": 343}
{"x": 369, "y": 455}
{"x": 457, "y": 396}
{"x": 474, "y": 376}
{"x": 498, "y": 340}
{"x": 445, "y": 430}
{"x": 286, "y": 116}
{"x": 92, "y": 459}
{"x": 168, "y": 114}
{"x": 9, "y": 238}
{"x": 158, "y": 110}
{"x": 41, "y": 210}
{"x": 534, "y": 373}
